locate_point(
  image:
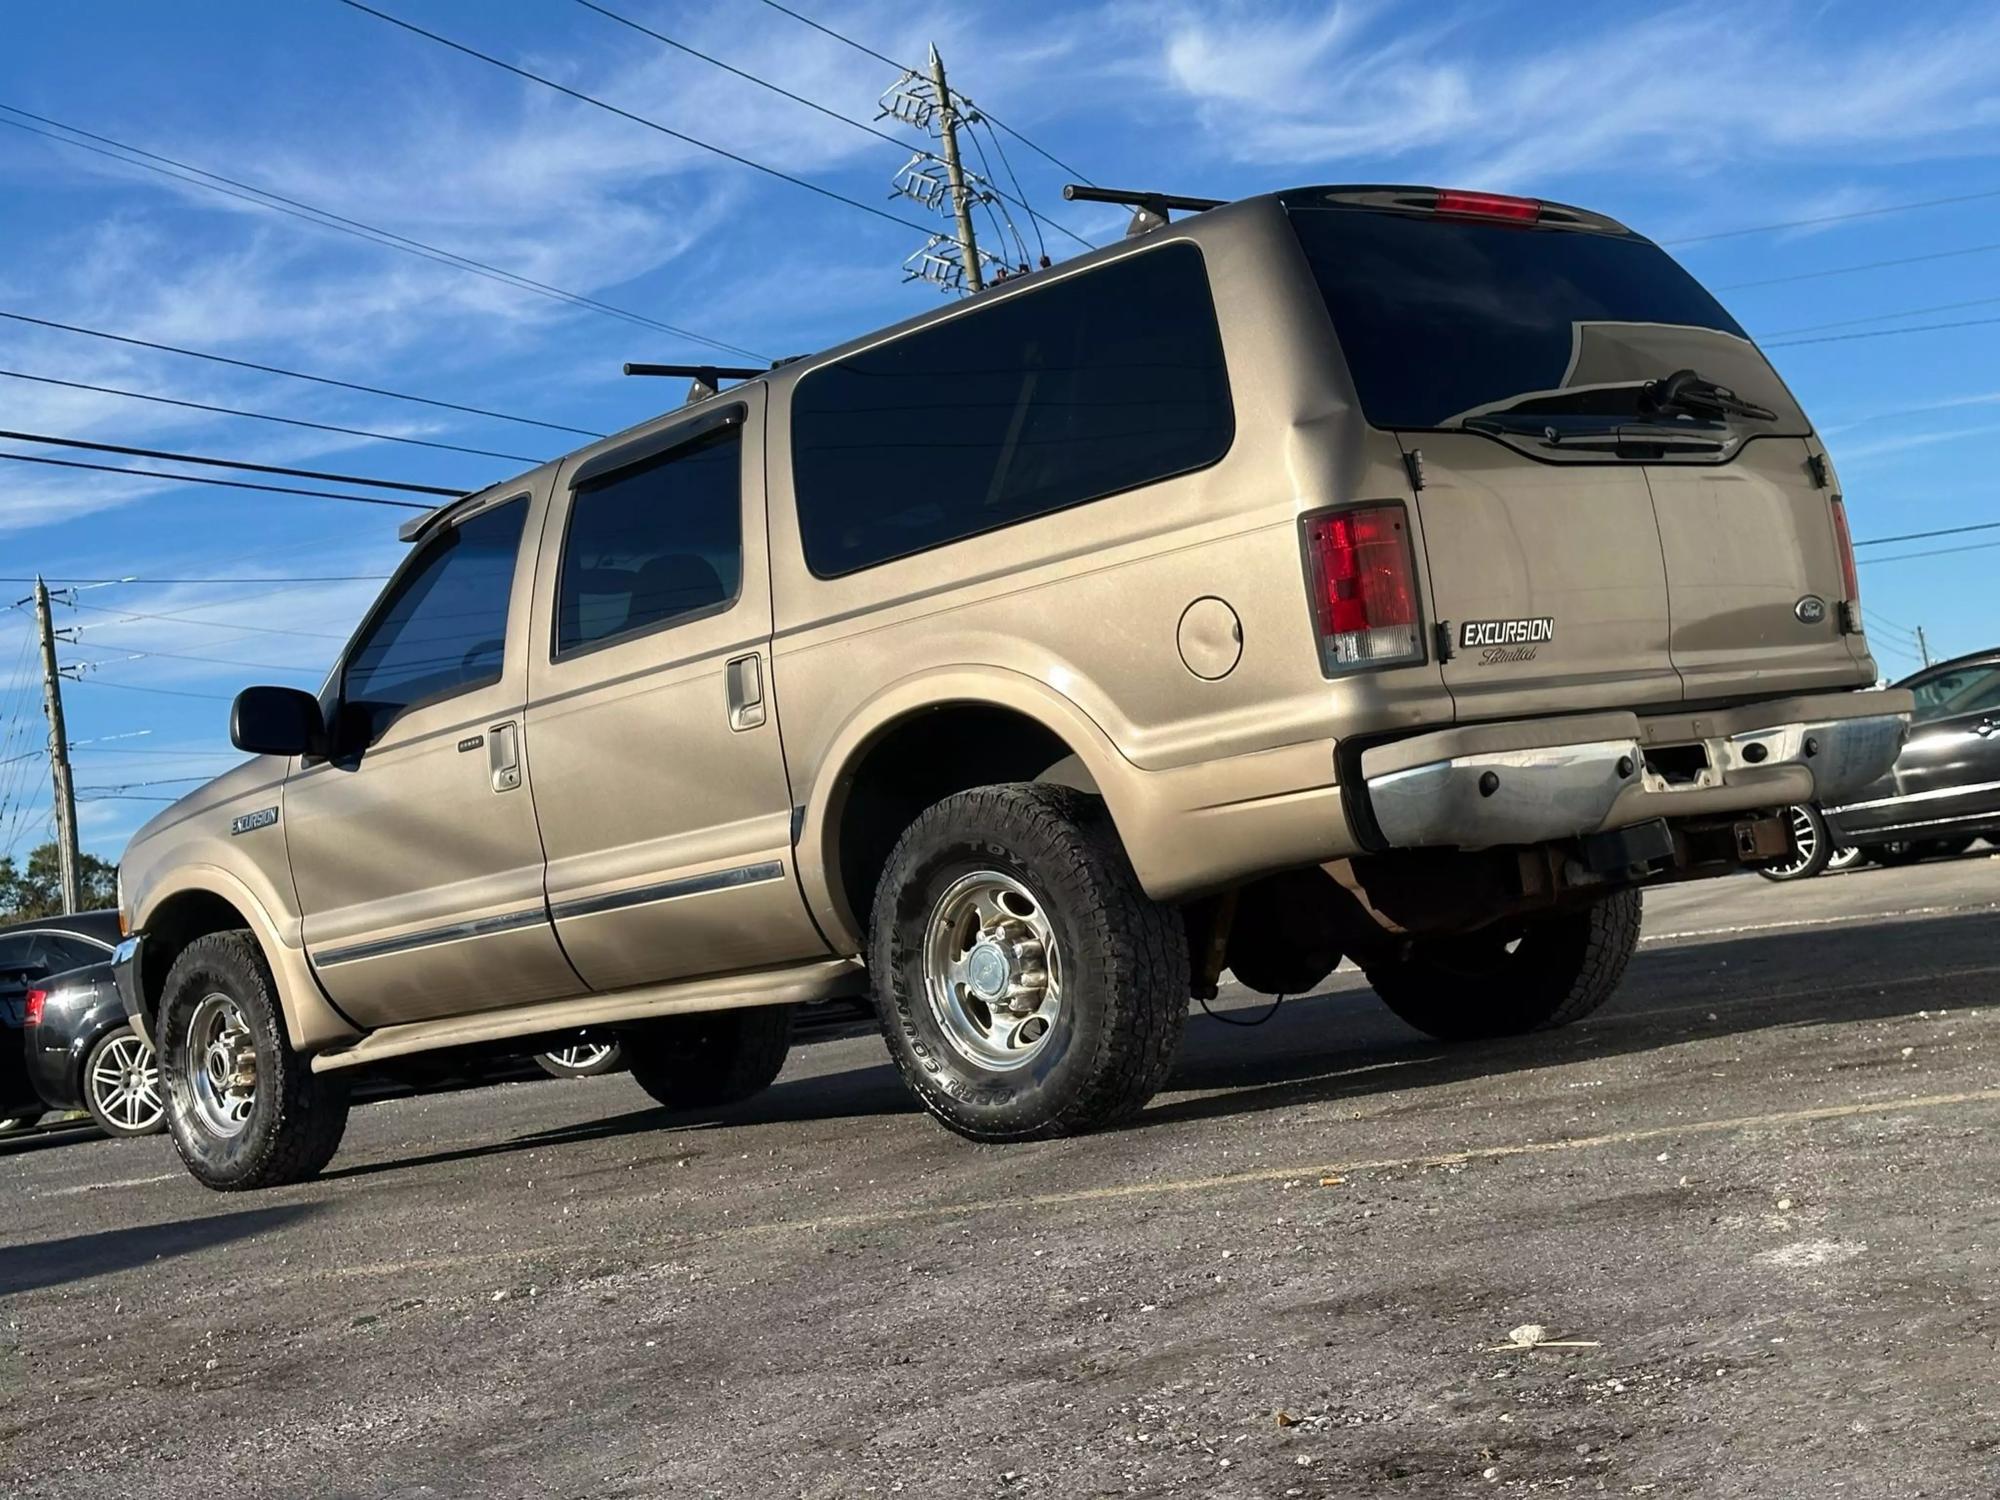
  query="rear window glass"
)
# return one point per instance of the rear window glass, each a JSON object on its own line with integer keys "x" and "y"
{"x": 1440, "y": 319}
{"x": 1090, "y": 385}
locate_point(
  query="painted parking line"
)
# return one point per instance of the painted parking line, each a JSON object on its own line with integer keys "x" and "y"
{"x": 1174, "y": 1187}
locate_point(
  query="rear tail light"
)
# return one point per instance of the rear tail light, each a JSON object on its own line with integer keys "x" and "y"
{"x": 1487, "y": 206}
{"x": 1850, "y": 577}
{"x": 36, "y": 1000}
{"x": 1364, "y": 587}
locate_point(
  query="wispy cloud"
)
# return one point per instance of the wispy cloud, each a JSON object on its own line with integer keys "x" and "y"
{"x": 1685, "y": 89}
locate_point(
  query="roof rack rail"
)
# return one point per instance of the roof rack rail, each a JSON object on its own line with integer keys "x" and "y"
{"x": 707, "y": 379}
{"x": 1150, "y": 210}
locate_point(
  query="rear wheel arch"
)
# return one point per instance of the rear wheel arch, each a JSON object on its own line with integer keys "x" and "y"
{"x": 884, "y": 779}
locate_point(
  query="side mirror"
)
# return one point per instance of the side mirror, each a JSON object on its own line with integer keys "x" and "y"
{"x": 277, "y": 721}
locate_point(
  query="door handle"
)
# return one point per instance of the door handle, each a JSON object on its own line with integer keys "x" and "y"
{"x": 743, "y": 685}
{"x": 503, "y": 755}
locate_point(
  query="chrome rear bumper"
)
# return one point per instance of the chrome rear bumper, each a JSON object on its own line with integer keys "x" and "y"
{"x": 1534, "y": 781}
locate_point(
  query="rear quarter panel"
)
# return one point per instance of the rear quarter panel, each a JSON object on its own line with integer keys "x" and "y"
{"x": 1086, "y": 604}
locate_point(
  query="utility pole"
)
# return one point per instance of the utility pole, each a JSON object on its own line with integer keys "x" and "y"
{"x": 65, "y": 789}
{"x": 961, "y": 199}
{"x": 1923, "y": 646}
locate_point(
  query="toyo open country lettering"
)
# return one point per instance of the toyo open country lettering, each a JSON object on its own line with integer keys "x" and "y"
{"x": 1134, "y": 669}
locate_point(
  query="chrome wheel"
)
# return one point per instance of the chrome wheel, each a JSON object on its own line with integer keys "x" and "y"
{"x": 1844, "y": 859}
{"x": 1805, "y": 840}
{"x": 221, "y": 1065}
{"x": 124, "y": 1083}
{"x": 583, "y": 1055}
{"x": 992, "y": 971}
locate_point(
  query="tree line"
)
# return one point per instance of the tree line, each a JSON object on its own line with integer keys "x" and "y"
{"x": 35, "y": 889}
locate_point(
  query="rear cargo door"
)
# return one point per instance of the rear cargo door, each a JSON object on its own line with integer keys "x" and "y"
{"x": 1547, "y": 578}
{"x": 1615, "y": 495}
{"x": 1754, "y": 572}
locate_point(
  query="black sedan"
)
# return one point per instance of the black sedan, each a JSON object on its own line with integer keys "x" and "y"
{"x": 1944, "y": 789}
{"x": 1942, "y": 793}
{"x": 31, "y": 953}
{"x": 82, "y": 1051}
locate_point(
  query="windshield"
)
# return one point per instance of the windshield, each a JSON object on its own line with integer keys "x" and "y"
{"x": 1443, "y": 319}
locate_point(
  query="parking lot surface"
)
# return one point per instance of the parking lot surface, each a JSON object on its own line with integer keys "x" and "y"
{"x": 1756, "y": 1199}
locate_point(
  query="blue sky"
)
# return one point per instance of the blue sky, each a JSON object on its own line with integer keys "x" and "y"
{"x": 1684, "y": 122}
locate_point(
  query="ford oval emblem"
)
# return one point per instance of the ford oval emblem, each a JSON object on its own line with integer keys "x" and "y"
{"x": 1810, "y": 610}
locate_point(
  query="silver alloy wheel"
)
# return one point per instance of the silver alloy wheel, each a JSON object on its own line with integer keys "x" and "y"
{"x": 1805, "y": 836}
{"x": 992, "y": 971}
{"x": 1845, "y": 858}
{"x": 124, "y": 1083}
{"x": 582, "y": 1055}
{"x": 221, "y": 1065}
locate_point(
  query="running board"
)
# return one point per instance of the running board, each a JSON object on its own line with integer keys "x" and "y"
{"x": 827, "y": 979}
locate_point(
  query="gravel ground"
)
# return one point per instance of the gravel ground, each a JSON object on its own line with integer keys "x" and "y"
{"x": 1754, "y": 1199}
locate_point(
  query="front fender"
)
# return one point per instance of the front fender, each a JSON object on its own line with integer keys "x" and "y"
{"x": 310, "y": 1018}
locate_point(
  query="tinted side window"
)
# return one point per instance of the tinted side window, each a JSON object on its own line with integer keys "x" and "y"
{"x": 444, "y": 629}
{"x": 1961, "y": 691}
{"x": 61, "y": 952}
{"x": 653, "y": 543}
{"x": 17, "y": 953}
{"x": 1058, "y": 395}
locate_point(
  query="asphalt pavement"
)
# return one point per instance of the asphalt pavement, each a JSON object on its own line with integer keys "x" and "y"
{"x": 1750, "y": 1206}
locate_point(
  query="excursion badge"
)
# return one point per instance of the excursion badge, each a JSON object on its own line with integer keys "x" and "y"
{"x": 264, "y": 817}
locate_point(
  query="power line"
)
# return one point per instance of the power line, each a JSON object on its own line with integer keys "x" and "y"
{"x": 345, "y": 385}
{"x": 267, "y": 578}
{"x": 129, "y": 786}
{"x": 1878, "y": 333}
{"x": 880, "y": 57}
{"x": 1892, "y": 624}
{"x": 214, "y": 661}
{"x": 133, "y": 687}
{"x": 1908, "y": 312}
{"x": 264, "y": 416}
{"x": 831, "y": 114}
{"x": 183, "y": 617}
{"x": 1869, "y": 265}
{"x": 356, "y": 228}
{"x": 626, "y": 114}
{"x": 1935, "y": 552}
{"x": 228, "y": 484}
{"x": 231, "y": 463}
{"x": 1842, "y": 218}
{"x": 1919, "y": 536}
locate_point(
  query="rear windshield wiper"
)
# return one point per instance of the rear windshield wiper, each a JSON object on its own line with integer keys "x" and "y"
{"x": 1686, "y": 391}
{"x": 1622, "y": 435}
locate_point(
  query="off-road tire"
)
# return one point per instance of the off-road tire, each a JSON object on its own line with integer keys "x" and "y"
{"x": 1472, "y": 988}
{"x": 297, "y": 1117}
{"x": 1124, "y": 965}
{"x": 711, "y": 1059}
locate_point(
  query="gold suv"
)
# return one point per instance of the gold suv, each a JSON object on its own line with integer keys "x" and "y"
{"x": 1391, "y": 573}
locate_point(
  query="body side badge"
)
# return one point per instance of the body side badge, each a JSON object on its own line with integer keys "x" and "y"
{"x": 264, "y": 817}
